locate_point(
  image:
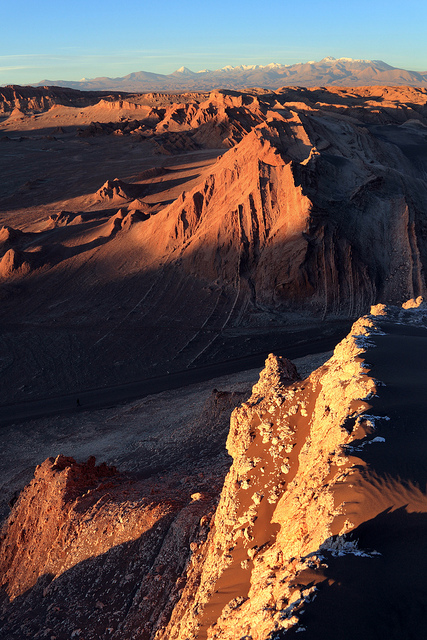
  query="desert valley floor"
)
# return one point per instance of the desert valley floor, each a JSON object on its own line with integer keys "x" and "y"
{"x": 154, "y": 249}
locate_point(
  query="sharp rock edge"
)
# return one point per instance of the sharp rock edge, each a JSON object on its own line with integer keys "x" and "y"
{"x": 128, "y": 560}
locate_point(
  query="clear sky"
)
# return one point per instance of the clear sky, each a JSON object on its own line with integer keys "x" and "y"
{"x": 69, "y": 40}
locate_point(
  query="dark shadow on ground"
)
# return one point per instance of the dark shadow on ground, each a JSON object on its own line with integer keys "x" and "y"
{"x": 377, "y": 597}
{"x": 99, "y": 595}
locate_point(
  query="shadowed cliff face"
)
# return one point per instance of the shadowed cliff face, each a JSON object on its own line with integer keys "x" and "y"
{"x": 39, "y": 99}
{"x": 235, "y": 211}
{"x": 320, "y": 518}
{"x": 306, "y": 213}
{"x": 89, "y": 549}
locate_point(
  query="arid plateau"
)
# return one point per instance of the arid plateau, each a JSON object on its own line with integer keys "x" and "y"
{"x": 158, "y": 481}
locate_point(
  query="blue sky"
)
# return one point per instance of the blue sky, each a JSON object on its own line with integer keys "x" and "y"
{"x": 45, "y": 39}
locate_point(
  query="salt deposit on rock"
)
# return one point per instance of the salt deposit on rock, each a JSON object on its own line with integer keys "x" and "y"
{"x": 303, "y": 497}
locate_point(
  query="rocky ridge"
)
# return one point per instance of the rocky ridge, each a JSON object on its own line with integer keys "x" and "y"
{"x": 90, "y": 552}
{"x": 39, "y": 99}
{"x": 280, "y": 219}
{"x": 314, "y": 209}
{"x": 302, "y": 484}
{"x": 278, "y": 506}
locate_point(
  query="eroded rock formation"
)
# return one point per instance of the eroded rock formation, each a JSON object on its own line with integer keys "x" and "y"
{"x": 236, "y": 211}
{"x": 321, "y": 512}
{"x": 302, "y": 214}
{"x": 277, "y": 506}
{"x": 38, "y": 99}
{"x": 95, "y": 554}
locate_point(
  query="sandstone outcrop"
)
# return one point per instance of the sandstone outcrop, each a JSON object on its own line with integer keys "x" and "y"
{"x": 277, "y": 505}
{"x": 307, "y": 479}
{"x": 14, "y": 262}
{"x": 321, "y": 516}
{"x": 116, "y": 189}
{"x": 90, "y": 553}
{"x": 38, "y": 99}
{"x": 9, "y": 236}
{"x": 270, "y": 221}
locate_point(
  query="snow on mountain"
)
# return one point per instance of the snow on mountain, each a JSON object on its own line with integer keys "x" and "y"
{"x": 329, "y": 71}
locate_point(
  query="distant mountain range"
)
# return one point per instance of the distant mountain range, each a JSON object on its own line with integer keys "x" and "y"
{"x": 327, "y": 72}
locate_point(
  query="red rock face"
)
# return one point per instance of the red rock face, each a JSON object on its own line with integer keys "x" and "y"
{"x": 270, "y": 222}
{"x": 314, "y": 209}
{"x": 87, "y": 549}
{"x": 320, "y": 513}
{"x": 313, "y": 480}
{"x": 47, "y": 508}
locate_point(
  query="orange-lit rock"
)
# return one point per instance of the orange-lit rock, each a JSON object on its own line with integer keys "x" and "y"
{"x": 302, "y": 488}
{"x": 321, "y": 513}
{"x": 258, "y": 208}
{"x": 86, "y": 548}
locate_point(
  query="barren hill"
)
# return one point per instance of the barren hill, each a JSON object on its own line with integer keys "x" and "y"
{"x": 146, "y": 236}
{"x": 37, "y": 99}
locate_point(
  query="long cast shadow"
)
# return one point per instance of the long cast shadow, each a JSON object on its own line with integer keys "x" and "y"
{"x": 98, "y": 595}
{"x": 377, "y": 597}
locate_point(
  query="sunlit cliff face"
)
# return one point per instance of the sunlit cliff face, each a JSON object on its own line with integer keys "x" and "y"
{"x": 310, "y": 470}
{"x": 321, "y": 498}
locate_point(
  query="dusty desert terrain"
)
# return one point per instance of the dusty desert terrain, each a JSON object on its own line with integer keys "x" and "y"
{"x": 149, "y": 234}
{"x": 318, "y": 519}
{"x": 153, "y": 237}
